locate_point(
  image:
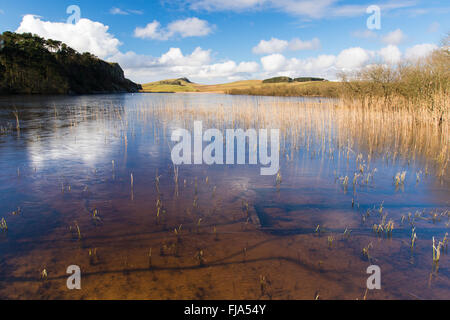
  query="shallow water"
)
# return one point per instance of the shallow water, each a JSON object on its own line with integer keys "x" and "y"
{"x": 91, "y": 162}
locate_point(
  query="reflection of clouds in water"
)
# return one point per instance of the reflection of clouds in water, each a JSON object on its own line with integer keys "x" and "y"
{"x": 84, "y": 143}
{"x": 240, "y": 183}
{"x": 152, "y": 149}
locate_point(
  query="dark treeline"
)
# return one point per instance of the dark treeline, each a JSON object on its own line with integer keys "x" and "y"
{"x": 32, "y": 65}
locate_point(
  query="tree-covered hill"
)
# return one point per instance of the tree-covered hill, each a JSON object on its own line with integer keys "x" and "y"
{"x": 30, "y": 64}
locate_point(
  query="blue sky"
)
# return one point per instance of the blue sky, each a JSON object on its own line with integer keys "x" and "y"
{"x": 212, "y": 41}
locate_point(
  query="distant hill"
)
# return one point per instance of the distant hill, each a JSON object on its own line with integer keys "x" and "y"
{"x": 32, "y": 65}
{"x": 170, "y": 85}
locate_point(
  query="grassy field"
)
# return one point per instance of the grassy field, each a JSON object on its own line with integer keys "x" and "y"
{"x": 247, "y": 86}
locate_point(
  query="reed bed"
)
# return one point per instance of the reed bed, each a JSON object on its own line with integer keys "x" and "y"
{"x": 338, "y": 127}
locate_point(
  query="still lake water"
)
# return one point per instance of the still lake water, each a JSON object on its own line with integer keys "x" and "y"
{"x": 89, "y": 181}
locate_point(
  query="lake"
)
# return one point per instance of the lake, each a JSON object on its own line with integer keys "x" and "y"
{"x": 89, "y": 181}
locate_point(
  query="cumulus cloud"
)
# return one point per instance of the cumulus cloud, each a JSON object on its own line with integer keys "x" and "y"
{"x": 85, "y": 36}
{"x": 270, "y": 46}
{"x": 348, "y": 60}
{"x": 297, "y": 44}
{"x": 278, "y": 65}
{"x": 190, "y": 27}
{"x": 275, "y": 45}
{"x": 200, "y": 67}
{"x": 390, "y": 54}
{"x": 247, "y": 67}
{"x": 352, "y": 58}
{"x": 197, "y": 66}
{"x": 274, "y": 62}
{"x": 395, "y": 37}
{"x": 150, "y": 31}
{"x": 419, "y": 51}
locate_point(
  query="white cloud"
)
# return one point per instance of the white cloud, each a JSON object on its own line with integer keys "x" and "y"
{"x": 174, "y": 57}
{"x": 247, "y": 67}
{"x": 278, "y": 65}
{"x": 190, "y": 27}
{"x": 275, "y": 45}
{"x": 85, "y": 36}
{"x": 150, "y": 31}
{"x": 274, "y": 62}
{"x": 270, "y": 46}
{"x": 200, "y": 67}
{"x": 390, "y": 54}
{"x": 119, "y": 11}
{"x": 419, "y": 51}
{"x": 297, "y": 44}
{"x": 173, "y": 64}
{"x": 395, "y": 37}
{"x": 352, "y": 58}
{"x": 1, "y": 11}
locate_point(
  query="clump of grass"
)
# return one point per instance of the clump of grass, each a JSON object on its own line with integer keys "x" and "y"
{"x": 3, "y": 225}
{"x": 366, "y": 252}
{"x": 195, "y": 202}
{"x": 199, "y": 221}
{"x": 347, "y": 232}
{"x": 262, "y": 284}
{"x": 95, "y": 217}
{"x": 77, "y": 231}
{"x": 345, "y": 183}
{"x": 380, "y": 209}
{"x": 330, "y": 240}
{"x": 413, "y": 237}
{"x": 445, "y": 242}
{"x": 93, "y": 258}
{"x": 437, "y": 246}
{"x": 399, "y": 179}
{"x": 318, "y": 230}
{"x": 177, "y": 232}
{"x": 199, "y": 256}
{"x": 44, "y": 274}
{"x": 436, "y": 251}
{"x": 278, "y": 179}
